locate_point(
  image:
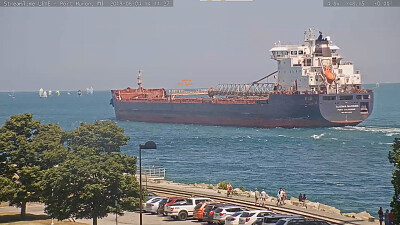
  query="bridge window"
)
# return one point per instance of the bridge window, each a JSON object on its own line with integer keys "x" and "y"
{"x": 346, "y": 97}
{"x": 293, "y": 52}
{"x": 300, "y": 52}
{"x": 365, "y": 96}
{"x": 358, "y": 97}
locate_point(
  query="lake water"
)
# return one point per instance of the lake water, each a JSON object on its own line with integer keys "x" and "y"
{"x": 344, "y": 167}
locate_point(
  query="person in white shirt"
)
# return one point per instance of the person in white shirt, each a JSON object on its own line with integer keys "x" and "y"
{"x": 263, "y": 197}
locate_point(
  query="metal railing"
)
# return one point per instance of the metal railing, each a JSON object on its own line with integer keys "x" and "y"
{"x": 153, "y": 173}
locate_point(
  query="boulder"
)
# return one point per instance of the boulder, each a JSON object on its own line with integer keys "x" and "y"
{"x": 312, "y": 205}
{"x": 327, "y": 208}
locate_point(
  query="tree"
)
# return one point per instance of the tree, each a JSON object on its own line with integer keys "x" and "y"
{"x": 23, "y": 142}
{"x": 394, "y": 158}
{"x": 94, "y": 175}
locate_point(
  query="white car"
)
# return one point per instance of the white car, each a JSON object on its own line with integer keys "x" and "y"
{"x": 152, "y": 206}
{"x": 234, "y": 219}
{"x": 222, "y": 212}
{"x": 249, "y": 217}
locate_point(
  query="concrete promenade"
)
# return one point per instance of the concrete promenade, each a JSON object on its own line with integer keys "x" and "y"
{"x": 312, "y": 207}
{"x": 200, "y": 189}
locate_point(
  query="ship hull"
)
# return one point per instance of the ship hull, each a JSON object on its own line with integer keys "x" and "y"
{"x": 287, "y": 111}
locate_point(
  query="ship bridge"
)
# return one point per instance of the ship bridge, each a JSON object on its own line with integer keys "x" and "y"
{"x": 314, "y": 66}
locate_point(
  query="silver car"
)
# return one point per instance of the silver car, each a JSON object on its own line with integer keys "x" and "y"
{"x": 152, "y": 206}
{"x": 272, "y": 219}
{"x": 222, "y": 212}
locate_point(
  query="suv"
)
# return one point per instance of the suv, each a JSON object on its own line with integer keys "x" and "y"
{"x": 171, "y": 201}
{"x": 199, "y": 210}
{"x": 208, "y": 212}
{"x": 297, "y": 221}
{"x": 181, "y": 211}
{"x": 249, "y": 217}
{"x": 272, "y": 219}
{"x": 222, "y": 212}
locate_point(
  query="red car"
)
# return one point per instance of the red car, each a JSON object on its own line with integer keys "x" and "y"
{"x": 170, "y": 201}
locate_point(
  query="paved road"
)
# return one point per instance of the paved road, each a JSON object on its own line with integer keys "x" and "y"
{"x": 131, "y": 218}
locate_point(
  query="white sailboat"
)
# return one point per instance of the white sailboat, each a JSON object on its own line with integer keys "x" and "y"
{"x": 42, "y": 93}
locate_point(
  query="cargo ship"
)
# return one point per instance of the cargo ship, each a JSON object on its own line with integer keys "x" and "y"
{"x": 313, "y": 87}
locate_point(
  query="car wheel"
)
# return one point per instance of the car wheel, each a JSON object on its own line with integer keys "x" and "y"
{"x": 182, "y": 216}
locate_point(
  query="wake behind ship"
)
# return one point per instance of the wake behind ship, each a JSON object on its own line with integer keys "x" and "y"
{"x": 314, "y": 88}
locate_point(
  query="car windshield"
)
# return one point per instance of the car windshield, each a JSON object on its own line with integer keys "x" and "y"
{"x": 271, "y": 220}
{"x": 156, "y": 200}
{"x": 219, "y": 210}
{"x": 237, "y": 214}
{"x": 208, "y": 208}
{"x": 247, "y": 214}
{"x": 198, "y": 206}
{"x": 280, "y": 222}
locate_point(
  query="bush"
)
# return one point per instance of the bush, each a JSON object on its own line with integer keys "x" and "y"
{"x": 242, "y": 188}
{"x": 222, "y": 185}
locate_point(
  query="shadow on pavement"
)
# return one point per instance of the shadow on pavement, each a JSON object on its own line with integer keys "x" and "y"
{"x": 9, "y": 217}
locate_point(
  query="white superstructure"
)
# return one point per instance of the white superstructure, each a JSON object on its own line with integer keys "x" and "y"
{"x": 314, "y": 66}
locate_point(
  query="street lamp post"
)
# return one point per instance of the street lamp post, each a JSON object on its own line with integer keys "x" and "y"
{"x": 148, "y": 145}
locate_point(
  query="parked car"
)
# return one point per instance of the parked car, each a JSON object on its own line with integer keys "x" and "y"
{"x": 208, "y": 213}
{"x": 234, "y": 219}
{"x": 161, "y": 205}
{"x": 222, "y": 212}
{"x": 171, "y": 201}
{"x": 199, "y": 209}
{"x": 297, "y": 221}
{"x": 183, "y": 210}
{"x": 249, "y": 217}
{"x": 152, "y": 206}
{"x": 272, "y": 219}
{"x": 148, "y": 201}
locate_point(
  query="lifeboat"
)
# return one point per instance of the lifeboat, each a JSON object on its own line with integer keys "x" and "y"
{"x": 330, "y": 76}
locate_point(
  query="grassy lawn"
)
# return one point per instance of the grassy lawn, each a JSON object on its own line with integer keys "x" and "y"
{"x": 15, "y": 219}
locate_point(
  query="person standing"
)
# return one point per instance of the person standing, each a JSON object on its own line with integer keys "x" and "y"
{"x": 279, "y": 197}
{"x": 257, "y": 195}
{"x": 263, "y": 197}
{"x": 283, "y": 196}
{"x": 228, "y": 190}
{"x": 391, "y": 217}
{"x": 380, "y": 213}
{"x": 300, "y": 198}
{"x": 387, "y": 222}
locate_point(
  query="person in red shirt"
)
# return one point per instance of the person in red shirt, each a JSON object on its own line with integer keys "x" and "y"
{"x": 391, "y": 217}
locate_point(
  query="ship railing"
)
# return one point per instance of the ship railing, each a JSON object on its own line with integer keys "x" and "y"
{"x": 254, "y": 89}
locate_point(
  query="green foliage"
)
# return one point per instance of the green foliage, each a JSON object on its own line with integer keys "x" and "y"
{"x": 222, "y": 185}
{"x": 76, "y": 174}
{"x": 104, "y": 136}
{"x": 23, "y": 142}
{"x": 242, "y": 188}
{"x": 394, "y": 158}
{"x": 93, "y": 175}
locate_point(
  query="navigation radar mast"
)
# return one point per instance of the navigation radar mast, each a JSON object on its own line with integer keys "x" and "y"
{"x": 139, "y": 79}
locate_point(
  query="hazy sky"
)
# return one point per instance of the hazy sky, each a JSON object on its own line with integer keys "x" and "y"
{"x": 206, "y": 42}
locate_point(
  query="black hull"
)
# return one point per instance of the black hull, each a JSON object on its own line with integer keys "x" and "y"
{"x": 287, "y": 111}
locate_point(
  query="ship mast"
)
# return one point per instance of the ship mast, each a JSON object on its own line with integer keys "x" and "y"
{"x": 139, "y": 79}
